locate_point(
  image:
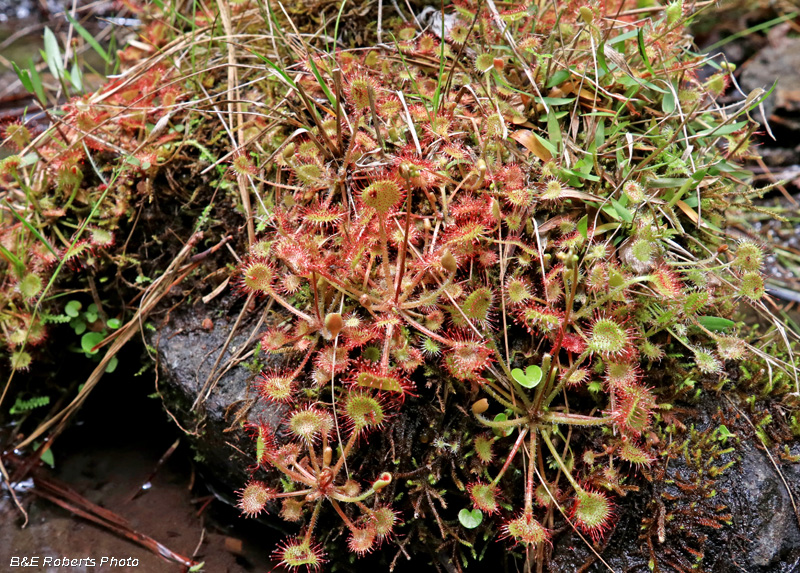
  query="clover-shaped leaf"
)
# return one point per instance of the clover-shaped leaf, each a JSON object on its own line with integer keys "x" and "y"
{"x": 530, "y": 378}
{"x": 470, "y": 519}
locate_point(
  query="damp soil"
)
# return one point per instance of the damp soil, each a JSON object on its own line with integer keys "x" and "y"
{"x": 110, "y": 455}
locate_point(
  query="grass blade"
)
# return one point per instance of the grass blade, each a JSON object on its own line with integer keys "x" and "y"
{"x": 84, "y": 33}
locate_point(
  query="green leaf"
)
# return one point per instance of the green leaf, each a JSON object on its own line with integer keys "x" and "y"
{"x": 112, "y": 364}
{"x": 558, "y": 78}
{"x": 73, "y": 308}
{"x": 626, "y": 215}
{"x": 24, "y": 77}
{"x": 601, "y": 58}
{"x": 31, "y": 228}
{"x": 114, "y": 323}
{"x": 36, "y": 81}
{"x": 622, "y": 37}
{"x": 547, "y": 145}
{"x": 198, "y": 567}
{"x": 528, "y": 379}
{"x": 643, "y": 52}
{"x": 668, "y": 103}
{"x": 53, "y": 54}
{"x": 722, "y": 130}
{"x": 724, "y": 433}
{"x": 554, "y": 100}
{"x": 470, "y": 519}
{"x": 277, "y": 69}
{"x": 583, "y": 226}
{"x": 48, "y": 458}
{"x": 553, "y": 129}
{"x": 90, "y": 340}
{"x": 600, "y": 134}
{"x": 715, "y": 323}
{"x": 322, "y": 83}
{"x": 502, "y": 417}
{"x": 75, "y": 77}
{"x": 19, "y": 266}
{"x": 78, "y": 325}
{"x": 581, "y": 174}
{"x": 89, "y": 39}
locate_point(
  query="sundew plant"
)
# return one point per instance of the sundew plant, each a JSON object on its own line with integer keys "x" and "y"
{"x": 510, "y": 217}
{"x": 527, "y": 210}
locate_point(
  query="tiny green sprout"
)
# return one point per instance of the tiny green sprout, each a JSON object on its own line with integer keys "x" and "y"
{"x": 502, "y": 417}
{"x": 528, "y": 379}
{"x": 470, "y": 518}
{"x": 723, "y": 433}
{"x": 72, "y": 308}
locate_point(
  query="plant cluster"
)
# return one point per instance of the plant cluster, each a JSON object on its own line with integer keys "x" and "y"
{"x": 527, "y": 205}
{"x": 67, "y": 188}
{"x": 517, "y": 214}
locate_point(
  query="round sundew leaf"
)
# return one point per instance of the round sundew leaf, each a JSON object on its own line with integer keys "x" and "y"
{"x": 470, "y": 518}
{"x": 378, "y": 382}
{"x": 20, "y": 360}
{"x": 484, "y": 62}
{"x": 30, "y": 286}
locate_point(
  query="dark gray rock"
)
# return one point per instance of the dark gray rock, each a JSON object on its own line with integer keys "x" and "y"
{"x": 187, "y": 352}
{"x": 779, "y": 60}
{"x": 764, "y": 518}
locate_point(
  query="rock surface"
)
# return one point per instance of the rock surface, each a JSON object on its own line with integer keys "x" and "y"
{"x": 780, "y": 59}
{"x": 189, "y": 345}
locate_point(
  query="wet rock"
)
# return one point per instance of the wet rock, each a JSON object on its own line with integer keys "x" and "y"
{"x": 756, "y": 527}
{"x": 189, "y": 364}
{"x": 779, "y": 59}
{"x": 763, "y": 514}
